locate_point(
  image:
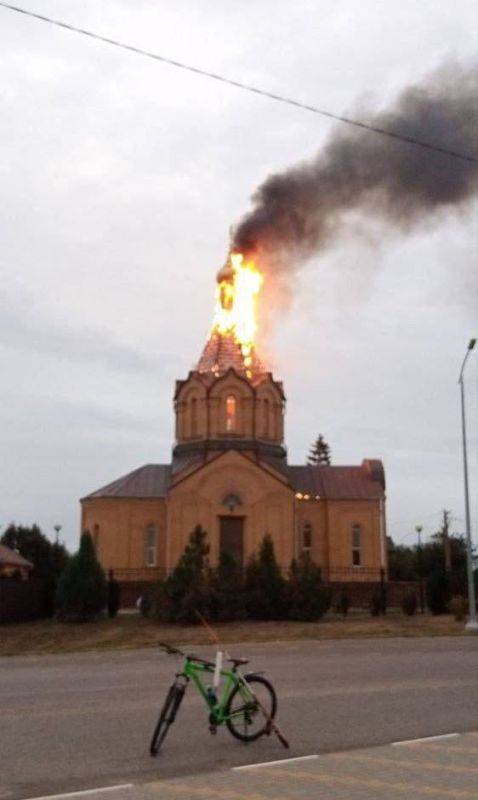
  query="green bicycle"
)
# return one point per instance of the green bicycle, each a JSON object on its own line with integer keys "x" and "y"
{"x": 247, "y": 704}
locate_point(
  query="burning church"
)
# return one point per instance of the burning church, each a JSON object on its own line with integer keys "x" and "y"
{"x": 229, "y": 471}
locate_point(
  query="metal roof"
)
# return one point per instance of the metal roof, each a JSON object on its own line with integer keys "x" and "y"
{"x": 337, "y": 483}
{"x": 222, "y": 352}
{"x": 364, "y": 482}
{"x": 12, "y": 558}
{"x": 152, "y": 480}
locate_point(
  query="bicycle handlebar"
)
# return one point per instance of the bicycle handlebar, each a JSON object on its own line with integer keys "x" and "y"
{"x": 171, "y": 651}
{"x": 174, "y": 651}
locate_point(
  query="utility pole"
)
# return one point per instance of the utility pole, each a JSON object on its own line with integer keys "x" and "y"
{"x": 472, "y": 624}
{"x": 57, "y": 529}
{"x": 419, "y": 529}
{"x": 446, "y": 540}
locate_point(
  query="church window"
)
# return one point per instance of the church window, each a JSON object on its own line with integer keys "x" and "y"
{"x": 356, "y": 545}
{"x": 194, "y": 417}
{"x": 307, "y": 536}
{"x": 151, "y": 545}
{"x": 231, "y": 413}
{"x": 266, "y": 418}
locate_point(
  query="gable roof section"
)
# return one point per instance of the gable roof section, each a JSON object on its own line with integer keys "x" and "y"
{"x": 11, "y": 558}
{"x": 152, "y": 480}
{"x": 263, "y": 466}
{"x": 335, "y": 483}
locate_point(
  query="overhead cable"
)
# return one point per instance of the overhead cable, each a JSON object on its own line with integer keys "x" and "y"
{"x": 245, "y": 86}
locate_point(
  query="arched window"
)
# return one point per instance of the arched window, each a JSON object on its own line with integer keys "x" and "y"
{"x": 356, "y": 545}
{"x": 307, "y": 536}
{"x": 150, "y": 554}
{"x": 194, "y": 417}
{"x": 266, "y": 418}
{"x": 231, "y": 413}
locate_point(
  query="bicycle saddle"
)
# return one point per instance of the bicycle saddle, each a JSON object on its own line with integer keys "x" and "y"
{"x": 238, "y": 662}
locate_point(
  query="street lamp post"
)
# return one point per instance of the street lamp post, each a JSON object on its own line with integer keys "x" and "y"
{"x": 472, "y": 624}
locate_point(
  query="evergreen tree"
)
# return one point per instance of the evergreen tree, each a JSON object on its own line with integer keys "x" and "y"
{"x": 81, "y": 593}
{"x": 265, "y": 587}
{"x": 227, "y": 586}
{"x": 48, "y": 559}
{"x": 319, "y": 452}
{"x": 309, "y": 599}
{"x": 187, "y": 588}
{"x": 438, "y": 591}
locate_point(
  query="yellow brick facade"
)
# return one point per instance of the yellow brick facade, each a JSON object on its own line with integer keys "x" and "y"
{"x": 229, "y": 474}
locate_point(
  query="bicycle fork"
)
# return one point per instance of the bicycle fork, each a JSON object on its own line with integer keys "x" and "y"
{"x": 180, "y": 687}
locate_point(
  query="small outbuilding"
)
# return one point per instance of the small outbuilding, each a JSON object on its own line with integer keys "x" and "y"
{"x": 12, "y": 563}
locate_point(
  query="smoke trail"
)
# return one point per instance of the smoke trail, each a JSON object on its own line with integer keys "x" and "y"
{"x": 297, "y": 212}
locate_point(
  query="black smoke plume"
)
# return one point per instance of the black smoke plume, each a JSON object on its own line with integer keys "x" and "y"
{"x": 298, "y": 212}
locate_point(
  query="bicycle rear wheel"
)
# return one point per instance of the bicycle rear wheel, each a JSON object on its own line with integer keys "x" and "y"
{"x": 250, "y": 710}
{"x": 167, "y": 716}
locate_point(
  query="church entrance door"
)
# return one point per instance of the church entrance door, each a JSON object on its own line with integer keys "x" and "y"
{"x": 231, "y": 537}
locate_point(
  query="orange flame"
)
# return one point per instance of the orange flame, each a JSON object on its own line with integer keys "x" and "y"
{"x": 235, "y": 312}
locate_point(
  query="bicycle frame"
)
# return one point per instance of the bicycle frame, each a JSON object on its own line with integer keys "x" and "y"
{"x": 193, "y": 671}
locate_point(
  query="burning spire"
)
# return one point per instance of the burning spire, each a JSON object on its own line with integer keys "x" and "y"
{"x": 231, "y": 341}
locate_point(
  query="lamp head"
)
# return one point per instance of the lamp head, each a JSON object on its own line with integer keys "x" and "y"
{"x": 471, "y": 344}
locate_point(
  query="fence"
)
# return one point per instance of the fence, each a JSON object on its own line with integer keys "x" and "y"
{"x": 367, "y": 582}
{"x": 21, "y": 601}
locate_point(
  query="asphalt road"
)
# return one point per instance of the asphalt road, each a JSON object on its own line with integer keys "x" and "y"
{"x": 79, "y": 721}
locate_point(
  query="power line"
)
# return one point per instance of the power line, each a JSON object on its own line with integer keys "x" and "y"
{"x": 245, "y": 86}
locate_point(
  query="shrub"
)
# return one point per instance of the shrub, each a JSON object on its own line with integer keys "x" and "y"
{"x": 308, "y": 598}
{"x": 227, "y": 590}
{"x": 343, "y": 604}
{"x": 81, "y": 592}
{"x": 409, "y": 604}
{"x": 458, "y": 607}
{"x": 265, "y": 588}
{"x": 187, "y": 588}
{"x": 438, "y": 592}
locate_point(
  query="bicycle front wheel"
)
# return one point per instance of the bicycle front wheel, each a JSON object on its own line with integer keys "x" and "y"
{"x": 168, "y": 714}
{"x": 250, "y": 710}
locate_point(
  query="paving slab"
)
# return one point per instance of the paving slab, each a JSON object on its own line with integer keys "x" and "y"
{"x": 434, "y": 768}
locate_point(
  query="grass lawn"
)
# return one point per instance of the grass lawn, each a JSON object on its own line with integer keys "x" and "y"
{"x": 132, "y": 630}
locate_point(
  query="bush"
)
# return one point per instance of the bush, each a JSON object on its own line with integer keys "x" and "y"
{"x": 458, "y": 607}
{"x": 187, "y": 589}
{"x": 81, "y": 592}
{"x": 438, "y": 592}
{"x": 409, "y": 605}
{"x": 308, "y": 598}
{"x": 49, "y": 559}
{"x": 343, "y": 604}
{"x": 227, "y": 590}
{"x": 265, "y": 588}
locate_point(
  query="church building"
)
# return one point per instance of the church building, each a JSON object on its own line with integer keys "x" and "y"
{"x": 230, "y": 474}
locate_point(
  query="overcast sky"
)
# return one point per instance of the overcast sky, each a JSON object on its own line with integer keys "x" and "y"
{"x": 119, "y": 181}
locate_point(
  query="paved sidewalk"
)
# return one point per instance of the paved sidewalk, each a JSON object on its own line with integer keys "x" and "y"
{"x": 435, "y": 768}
